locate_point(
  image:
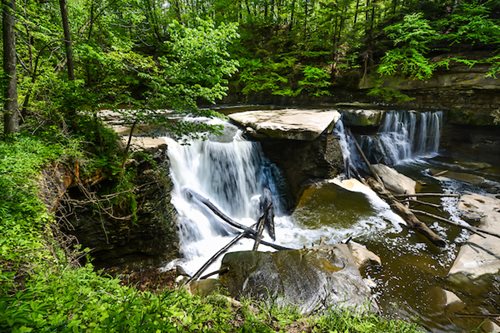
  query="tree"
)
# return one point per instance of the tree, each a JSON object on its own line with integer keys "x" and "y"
{"x": 67, "y": 40}
{"x": 11, "y": 109}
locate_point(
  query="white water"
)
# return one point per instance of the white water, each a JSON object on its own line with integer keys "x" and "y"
{"x": 232, "y": 174}
{"x": 403, "y": 136}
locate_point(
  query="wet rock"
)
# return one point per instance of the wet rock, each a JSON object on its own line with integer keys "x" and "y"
{"x": 310, "y": 279}
{"x": 394, "y": 181}
{"x": 326, "y": 203}
{"x": 452, "y": 302}
{"x": 362, "y": 256}
{"x": 476, "y": 269}
{"x": 205, "y": 287}
{"x": 360, "y": 117}
{"x": 304, "y": 161}
{"x": 291, "y": 124}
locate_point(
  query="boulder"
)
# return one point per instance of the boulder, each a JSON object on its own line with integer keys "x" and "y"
{"x": 476, "y": 270}
{"x": 362, "y": 256}
{"x": 360, "y": 117}
{"x": 394, "y": 181}
{"x": 141, "y": 143}
{"x": 304, "y": 161}
{"x": 309, "y": 279}
{"x": 290, "y": 124}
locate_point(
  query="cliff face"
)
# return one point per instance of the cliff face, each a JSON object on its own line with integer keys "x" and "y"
{"x": 468, "y": 94}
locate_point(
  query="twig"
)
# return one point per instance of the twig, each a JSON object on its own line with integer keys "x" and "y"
{"x": 470, "y": 228}
{"x": 423, "y": 203}
{"x": 219, "y": 271}
{"x": 427, "y": 195}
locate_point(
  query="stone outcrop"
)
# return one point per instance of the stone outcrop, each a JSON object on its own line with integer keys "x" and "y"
{"x": 479, "y": 257}
{"x": 290, "y": 124}
{"x": 108, "y": 228}
{"x": 362, "y": 256}
{"x": 362, "y": 117}
{"x": 309, "y": 279}
{"x": 394, "y": 181}
{"x": 304, "y": 161}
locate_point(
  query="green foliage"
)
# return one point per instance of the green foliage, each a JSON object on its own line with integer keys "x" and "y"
{"x": 316, "y": 81}
{"x": 410, "y": 39}
{"x": 470, "y": 23}
{"x": 389, "y": 95}
{"x": 340, "y": 321}
{"x": 196, "y": 66}
{"x": 269, "y": 76}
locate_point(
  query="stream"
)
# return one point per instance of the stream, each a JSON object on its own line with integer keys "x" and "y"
{"x": 232, "y": 172}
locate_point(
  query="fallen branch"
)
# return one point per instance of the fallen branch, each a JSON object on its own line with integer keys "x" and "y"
{"x": 423, "y": 203}
{"x": 219, "y": 271}
{"x": 367, "y": 162}
{"x": 405, "y": 213}
{"x": 427, "y": 195}
{"x": 260, "y": 230}
{"x": 440, "y": 173}
{"x": 214, "y": 257}
{"x": 249, "y": 232}
{"x": 472, "y": 229}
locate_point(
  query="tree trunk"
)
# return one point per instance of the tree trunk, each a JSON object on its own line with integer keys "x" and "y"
{"x": 11, "y": 109}
{"x": 67, "y": 39}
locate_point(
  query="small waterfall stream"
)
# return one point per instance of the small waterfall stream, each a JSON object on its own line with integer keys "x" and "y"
{"x": 404, "y": 135}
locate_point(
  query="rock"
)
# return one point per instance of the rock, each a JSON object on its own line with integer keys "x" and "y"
{"x": 359, "y": 117}
{"x": 362, "y": 256}
{"x": 291, "y": 124}
{"x": 309, "y": 279}
{"x": 325, "y": 203}
{"x": 144, "y": 143}
{"x": 120, "y": 241}
{"x": 452, "y": 302}
{"x": 394, "y": 181}
{"x": 477, "y": 264}
{"x": 205, "y": 287}
{"x": 304, "y": 161}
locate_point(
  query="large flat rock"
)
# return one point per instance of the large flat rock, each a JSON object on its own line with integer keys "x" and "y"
{"x": 310, "y": 279}
{"x": 479, "y": 257}
{"x": 292, "y": 124}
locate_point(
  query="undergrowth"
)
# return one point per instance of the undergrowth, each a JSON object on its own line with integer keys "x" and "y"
{"x": 42, "y": 291}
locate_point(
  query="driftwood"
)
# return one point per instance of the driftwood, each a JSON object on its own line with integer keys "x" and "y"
{"x": 405, "y": 213}
{"x": 413, "y": 222}
{"x": 427, "y": 195}
{"x": 422, "y": 203}
{"x": 472, "y": 229}
{"x": 249, "y": 232}
{"x": 214, "y": 257}
{"x": 260, "y": 230}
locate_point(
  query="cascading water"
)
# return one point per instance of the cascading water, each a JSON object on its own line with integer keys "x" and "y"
{"x": 232, "y": 174}
{"x": 404, "y": 135}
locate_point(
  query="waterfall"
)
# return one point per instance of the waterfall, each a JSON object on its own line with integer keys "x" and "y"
{"x": 404, "y": 135}
{"x": 232, "y": 173}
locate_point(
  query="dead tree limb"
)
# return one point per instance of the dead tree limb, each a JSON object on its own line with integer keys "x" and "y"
{"x": 427, "y": 195}
{"x": 367, "y": 162}
{"x": 260, "y": 230}
{"x": 430, "y": 204}
{"x": 214, "y": 257}
{"x": 405, "y": 213}
{"x": 472, "y": 229}
{"x": 249, "y": 232}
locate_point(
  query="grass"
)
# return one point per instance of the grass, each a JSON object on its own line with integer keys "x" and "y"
{"x": 41, "y": 291}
